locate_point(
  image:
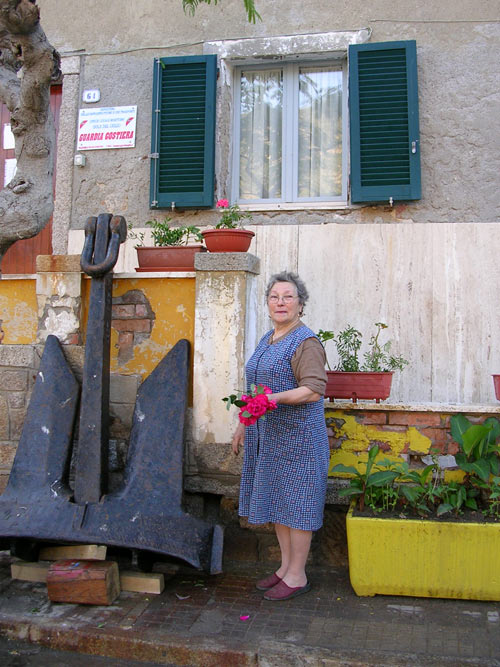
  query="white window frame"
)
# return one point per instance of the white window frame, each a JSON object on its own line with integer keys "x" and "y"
{"x": 290, "y": 136}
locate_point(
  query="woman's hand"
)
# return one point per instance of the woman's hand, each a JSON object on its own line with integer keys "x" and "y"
{"x": 238, "y": 439}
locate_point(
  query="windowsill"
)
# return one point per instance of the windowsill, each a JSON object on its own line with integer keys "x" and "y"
{"x": 300, "y": 206}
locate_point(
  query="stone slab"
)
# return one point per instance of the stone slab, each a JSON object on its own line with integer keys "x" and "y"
{"x": 58, "y": 264}
{"x": 123, "y": 388}
{"x": 227, "y": 261}
{"x": 18, "y": 355}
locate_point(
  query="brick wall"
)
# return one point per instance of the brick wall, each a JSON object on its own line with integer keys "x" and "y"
{"x": 133, "y": 318}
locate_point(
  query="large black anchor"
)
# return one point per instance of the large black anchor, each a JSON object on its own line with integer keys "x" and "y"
{"x": 145, "y": 514}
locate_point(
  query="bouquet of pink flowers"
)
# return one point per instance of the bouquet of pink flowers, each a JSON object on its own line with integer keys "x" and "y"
{"x": 253, "y": 405}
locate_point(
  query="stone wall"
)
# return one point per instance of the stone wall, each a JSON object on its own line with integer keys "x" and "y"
{"x": 18, "y": 369}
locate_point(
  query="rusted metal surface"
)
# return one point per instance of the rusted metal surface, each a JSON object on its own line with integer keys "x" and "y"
{"x": 103, "y": 236}
{"x": 145, "y": 514}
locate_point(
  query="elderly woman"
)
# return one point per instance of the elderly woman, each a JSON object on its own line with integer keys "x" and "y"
{"x": 286, "y": 454}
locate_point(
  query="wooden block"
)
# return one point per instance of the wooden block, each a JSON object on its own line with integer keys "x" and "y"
{"x": 29, "y": 571}
{"x": 83, "y": 581}
{"x": 142, "y": 582}
{"x": 78, "y": 551}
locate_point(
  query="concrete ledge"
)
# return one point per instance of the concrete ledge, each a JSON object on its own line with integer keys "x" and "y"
{"x": 227, "y": 261}
{"x": 18, "y": 276}
{"x": 152, "y": 274}
{"x": 124, "y": 645}
{"x": 366, "y": 406}
{"x": 229, "y": 487}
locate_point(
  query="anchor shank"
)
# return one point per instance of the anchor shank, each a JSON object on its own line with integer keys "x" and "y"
{"x": 92, "y": 452}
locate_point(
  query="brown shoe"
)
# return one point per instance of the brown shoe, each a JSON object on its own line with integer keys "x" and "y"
{"x": 283, "y": 592}
{"x": 268, "y": 582}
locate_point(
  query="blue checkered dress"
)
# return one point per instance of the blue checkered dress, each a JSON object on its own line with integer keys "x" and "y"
{"x": 285, "y": 465}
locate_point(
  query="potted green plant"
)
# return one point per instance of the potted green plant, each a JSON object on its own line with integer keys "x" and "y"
{"x": 228, "y": 234}
{"x": 171, "y": 250}
{"x": 412, "y": 532}
{"x": 354, "y": 380}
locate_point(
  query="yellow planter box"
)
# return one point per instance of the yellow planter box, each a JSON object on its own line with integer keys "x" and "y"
{"x": 424, "y": 558}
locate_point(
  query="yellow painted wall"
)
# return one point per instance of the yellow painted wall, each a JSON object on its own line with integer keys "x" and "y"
{"x": 172, "y": 301}
{"x": 18, "y": 311}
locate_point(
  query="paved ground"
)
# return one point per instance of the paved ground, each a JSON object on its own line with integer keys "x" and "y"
{"x": 217, "y": 621}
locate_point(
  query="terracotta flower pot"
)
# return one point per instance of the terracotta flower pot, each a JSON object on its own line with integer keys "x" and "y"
{"x": 227, "y": 240}
{"x": 167, "y": 258}
{"x": 362, "y": 385}
{"x": 496, "y": 382}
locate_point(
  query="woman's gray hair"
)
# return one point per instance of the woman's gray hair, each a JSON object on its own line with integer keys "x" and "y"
{"x": 288, "y": 277}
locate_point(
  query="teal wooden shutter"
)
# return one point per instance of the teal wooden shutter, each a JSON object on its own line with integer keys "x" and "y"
{"x": 183, "y": 132}
{"x": 383, "y": 104}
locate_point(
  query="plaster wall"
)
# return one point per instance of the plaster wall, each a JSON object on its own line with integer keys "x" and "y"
{"x": 18, "y": 311}
{"x": 458, "y": 93}
{"x": 427, "y": 268}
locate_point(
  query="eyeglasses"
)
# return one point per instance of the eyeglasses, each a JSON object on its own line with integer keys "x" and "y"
{"x": 286, "y": 299}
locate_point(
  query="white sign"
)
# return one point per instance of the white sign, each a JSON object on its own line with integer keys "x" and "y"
{"x": 90, "y": 96}
{"x": 106, "y": 127}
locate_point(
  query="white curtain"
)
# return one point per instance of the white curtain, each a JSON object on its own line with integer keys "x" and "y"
{"x": 320, "y": 133}
{"x": 261, "y": 134}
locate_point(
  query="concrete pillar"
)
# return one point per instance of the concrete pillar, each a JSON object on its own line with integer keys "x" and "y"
{"x": 68, "y": 114}
{"x": 59, "y": 298}
{"x": 224, "y": 337}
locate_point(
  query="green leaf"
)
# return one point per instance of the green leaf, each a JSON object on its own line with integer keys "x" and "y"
{"x": 494, "y": 464}
{"x": 381, "y": 478}
{"x": 252, "y": 13}
{"x": 350, "y": 491}
{"x": 494, "y": 433}
{"x": 473, "y": 436}
{"x": 340, "y": 467}
{"x": 462, "y": 495}
{"x": 459, "y": 424}
{"x": 471, "y": 504}
{"x": 411, "y": 493}
{"x": 462, "y": 463}
{"x": 413, "y": 476}
{"x": 426, "y": 472}
{"x": 482, "y": 469}
{"x": 443, "y": 508}
{"x": 372, "y": 453}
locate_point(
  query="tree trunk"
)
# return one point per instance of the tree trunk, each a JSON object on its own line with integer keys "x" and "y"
{"x": 28, "y": 65}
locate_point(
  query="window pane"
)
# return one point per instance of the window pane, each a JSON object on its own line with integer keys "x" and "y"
{"x": 260, "y": 134}
{"x": 320, "y": 132}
